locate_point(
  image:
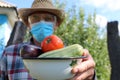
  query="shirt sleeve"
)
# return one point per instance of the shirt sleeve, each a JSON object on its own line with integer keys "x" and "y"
{"x": 95, "y": 77}
{"x": 12, "y": 65}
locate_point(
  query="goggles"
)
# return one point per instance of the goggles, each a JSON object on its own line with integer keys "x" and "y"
{"x": 36, "y": 17}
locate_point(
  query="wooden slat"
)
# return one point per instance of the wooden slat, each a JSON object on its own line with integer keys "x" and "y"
{"x": 114, "y": 49}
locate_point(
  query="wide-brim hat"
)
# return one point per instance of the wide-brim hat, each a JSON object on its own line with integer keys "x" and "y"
{"x": 41, "y": 6}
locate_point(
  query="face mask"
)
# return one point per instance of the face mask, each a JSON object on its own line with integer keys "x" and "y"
{"x": 41, "y": 30}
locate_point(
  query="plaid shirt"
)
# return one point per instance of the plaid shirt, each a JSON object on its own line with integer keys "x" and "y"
{"x": 12, "y": 66}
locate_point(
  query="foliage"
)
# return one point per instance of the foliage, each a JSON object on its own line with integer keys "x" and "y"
{"x": 77, "y": 29}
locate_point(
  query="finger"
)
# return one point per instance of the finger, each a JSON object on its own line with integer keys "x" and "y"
{"x": 87, "y": 54}
{"x": 86, "y": 75}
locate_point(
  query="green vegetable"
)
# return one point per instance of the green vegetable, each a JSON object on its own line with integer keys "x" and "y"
{"x": 73, "y": 63}
{"x": 74, "y": 50}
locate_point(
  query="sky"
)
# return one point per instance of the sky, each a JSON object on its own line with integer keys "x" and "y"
{"x": 106, "y": 10}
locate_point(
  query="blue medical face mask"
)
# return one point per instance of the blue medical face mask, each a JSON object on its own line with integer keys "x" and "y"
{"x": 41, "y": 30}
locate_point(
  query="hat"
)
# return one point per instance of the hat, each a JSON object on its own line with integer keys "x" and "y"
{"x": 42, "y": 6}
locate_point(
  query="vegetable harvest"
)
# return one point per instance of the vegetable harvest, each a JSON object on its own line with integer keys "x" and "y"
{"x": 74, "y": 50}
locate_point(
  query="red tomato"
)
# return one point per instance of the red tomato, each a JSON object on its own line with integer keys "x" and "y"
{"x": 52, "y": 42}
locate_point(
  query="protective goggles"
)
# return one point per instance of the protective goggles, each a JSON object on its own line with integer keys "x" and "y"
{"x": 36, "y": 17}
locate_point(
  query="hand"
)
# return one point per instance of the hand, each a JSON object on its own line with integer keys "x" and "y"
{"x": 85, "y": 69}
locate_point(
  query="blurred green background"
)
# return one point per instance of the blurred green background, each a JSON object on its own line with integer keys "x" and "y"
{"x": 77, "y": 28}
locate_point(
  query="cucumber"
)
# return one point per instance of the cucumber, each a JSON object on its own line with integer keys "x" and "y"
{"x": 74, "y": 50}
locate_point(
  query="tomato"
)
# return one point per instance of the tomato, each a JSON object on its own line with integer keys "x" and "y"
{"x": 52, "y": 42}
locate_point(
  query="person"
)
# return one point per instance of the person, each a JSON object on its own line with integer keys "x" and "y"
{"x": 42, "y": 19}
